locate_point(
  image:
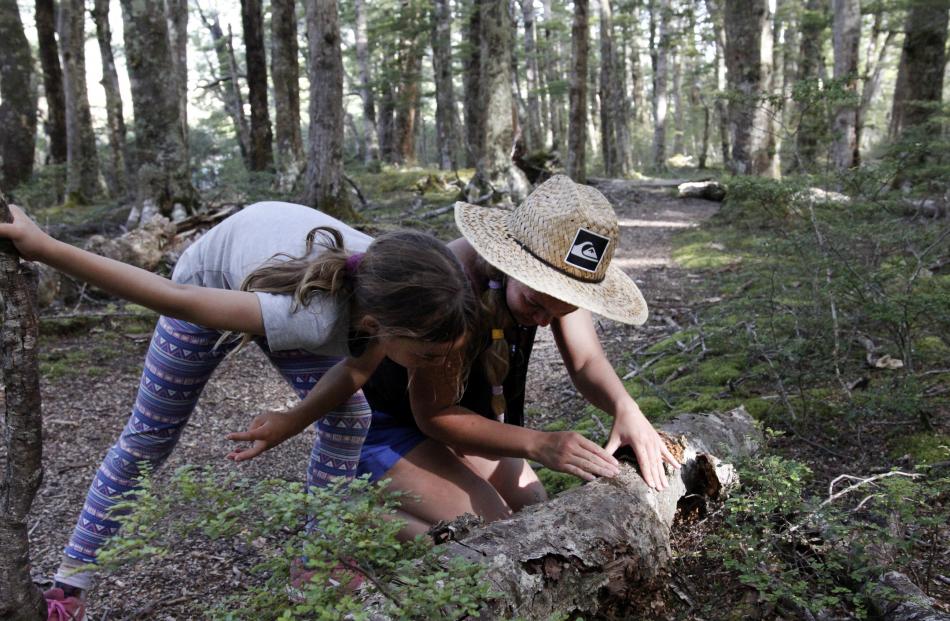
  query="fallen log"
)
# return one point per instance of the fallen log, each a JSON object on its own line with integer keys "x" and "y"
{"x": 896, "y": 598}
{"x": 709, "y": 190}
{"x": 594, "y": 549}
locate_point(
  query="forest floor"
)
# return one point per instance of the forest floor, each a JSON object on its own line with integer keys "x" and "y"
{"x": 90, "y": 370}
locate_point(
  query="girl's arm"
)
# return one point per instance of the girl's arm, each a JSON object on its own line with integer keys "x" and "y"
{"x": 595, "y": 378}
{"x": 334, "y": 388}
{"x": 432, "y": 395}
{"x": 220, "y": 309}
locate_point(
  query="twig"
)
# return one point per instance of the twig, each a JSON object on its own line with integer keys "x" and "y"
{"x": 359, "y": 193}
{"x": 436, "y": 212}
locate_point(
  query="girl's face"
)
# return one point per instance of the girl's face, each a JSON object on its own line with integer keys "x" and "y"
{"x": 533, "y": 308}
{"x": 413, "y": 353}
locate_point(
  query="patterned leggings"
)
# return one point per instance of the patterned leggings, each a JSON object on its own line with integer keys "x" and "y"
{"x": 181, "y": 358}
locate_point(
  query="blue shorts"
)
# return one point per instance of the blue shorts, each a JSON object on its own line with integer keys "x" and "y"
{"x": 389, "y": 439}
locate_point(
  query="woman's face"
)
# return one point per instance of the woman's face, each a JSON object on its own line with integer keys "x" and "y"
{"x": 413, "y": 353}
{"x": 533, "y": 308}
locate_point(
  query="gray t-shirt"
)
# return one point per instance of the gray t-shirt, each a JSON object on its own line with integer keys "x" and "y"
{"x": 227, "y": 253}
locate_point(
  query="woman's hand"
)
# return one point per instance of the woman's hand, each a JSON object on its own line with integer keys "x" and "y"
{"x": 266, "y": 431}
{"x": 634, "y": 430}
{"x": 29, "y": 239}
{"x": 570, "y": 452}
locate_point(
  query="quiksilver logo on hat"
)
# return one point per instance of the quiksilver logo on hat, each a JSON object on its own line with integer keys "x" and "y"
{"x": 587, "y": 250}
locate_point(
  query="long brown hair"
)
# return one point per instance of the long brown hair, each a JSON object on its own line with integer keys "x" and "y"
{"x": 496, "y": 319}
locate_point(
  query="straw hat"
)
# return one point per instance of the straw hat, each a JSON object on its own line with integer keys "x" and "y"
{"x": 559, "y": 241}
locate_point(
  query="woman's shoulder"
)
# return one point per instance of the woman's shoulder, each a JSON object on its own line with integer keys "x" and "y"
{"x": 288, "y": 220}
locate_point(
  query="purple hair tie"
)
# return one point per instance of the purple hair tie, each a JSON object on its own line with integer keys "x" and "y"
{"x": 353, "y": 263}
{"x": 494, "y": 284}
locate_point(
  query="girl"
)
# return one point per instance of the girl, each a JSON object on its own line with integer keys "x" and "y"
{"x": 307, "y": 299}
{"x": 547, "y": 262}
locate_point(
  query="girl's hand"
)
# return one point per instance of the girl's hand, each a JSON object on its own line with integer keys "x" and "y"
{"x": 634, "y": 430}
{"x": 29, "y": 239}
{"x": 266, "y": 431}
{"x": 570, "y": 452}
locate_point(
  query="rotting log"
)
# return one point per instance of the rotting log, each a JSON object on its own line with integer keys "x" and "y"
{"x": 21, "y": 453}
{"x": 709, "y": 190}
{"x": 896, "y": 598}
{"x": 599, "y": 548}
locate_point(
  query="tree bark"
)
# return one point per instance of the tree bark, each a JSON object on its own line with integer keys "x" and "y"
{"x": 176, "y": 14}
{"x": 748, "y": 28}
{"x": 115, "y": 121}
{"x": 82, "y": 161}
{"x": 923, "y": 60}
{"x": 285, "y": 75}
{"x": 409, "y": 64}
{"x": 22, "y": 454}
{"x": 846, "y": 29}
{"x": 810, "y": 120}
{"x": 615, "y": 139}
{"x": 533, "y": 134}
{"x": 879, "y": 44}
{"x": 370, "y": 131}
{"x": 896, "y": 598}
{"x": 472, "y": 105}
{"x": 679, "y": 112}
{"x": 554, "y": 80}
{"x": 577, "y": 131}
{"x": 659, "y": 54}
{"x": 325, "y": 188}
{"x": 262, "y": 153}
{"x": 164, "y": 177}
{"x": 386, "y": 123}
{"x": 446, "y": 128}
{"x": 18, "y": 106}
{"x": 715, "y": 13}
{"x": 45, "y": 15}
{"x": 593, "y": 549}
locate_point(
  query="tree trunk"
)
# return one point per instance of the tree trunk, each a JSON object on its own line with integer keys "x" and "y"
{"x": 659, "y": 53}
{"x": 176, "y": 13}
{"x": 445, "y": 125}
{"x": 811, "y": 121}
{"x": 594, "y": 550}
{"x": 748, "y": 28}
{"x": 18, "y": 106}
{"x": 325, "y": 188}
{"x": 679, "y": 126}
{"x": 846, "y": 29}
{"x": 285, "y": 75}
{"x": 554, "y": 80}
{"x": 614, "y": 139}
{"x": 879, "y": 44}
{"x": 719, "y": 61}
{"x": 412, "y": 29}
{"x": 577, "y": 131}
{"x": 228, "y": 85}
{"x": 118, "y": 169}
{"x": 386, "y": 123}
{"x": 370, "y": 131}
{"x": 52, "y": 81}
{"x": 470, "y": 80}
{"x": 923, "y": 60}
{"x": 262, "y": 153}
{"x": 21, "y": 459}
{"x": 533, "y": 134}
{"x": 164, "y": 176}
{"x": 82, "y": 162}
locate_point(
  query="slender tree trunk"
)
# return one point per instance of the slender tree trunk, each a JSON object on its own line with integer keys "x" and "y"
{"x": 922, "y": 65}
{"x": 879, "y": 44}
{"x": 285, "y": 75}
{"x": 82, "y": 161}
{"x": 228, "y": 83}
{"x": 163, "y": 177}
{"x": 410, "y": 78}
{"x": 325, "y": 187}
{"x": 45, "y": 14}
{"x": 748, "y": 27}
{"x": 659, "y": 52}
{"x": 17, "y": 99}
{"x": 21, "y": 458}
{"x": 262, "y": 154}
{"x": 472, "y": 105}
{"x": 554, "y": 80}
{"x": 445, "y": 126}
{"x": 679, "y": 113}
{"x": 810, "y": 119}
{"x": 719, "y": 61}
{"x": 370, "y": 131}
{"x": 533, "y": 134}
{"x": 791, "y": 45}
{"x": 614, "y": 139}
{"x": 115, "y": 120}
{"x": 577, "y": 133}
{"x": 496, "y": 173}
{"x": 847, "y": 37}
{"x": 593, "y": 112}
{"x": 176, "y": 12}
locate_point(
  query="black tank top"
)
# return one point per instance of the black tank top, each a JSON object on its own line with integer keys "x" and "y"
{"x": 387, "y": 390}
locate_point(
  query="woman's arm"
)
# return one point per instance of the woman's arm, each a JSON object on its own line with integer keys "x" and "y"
{"x": 220, "y": 309}
{"x": 595, "y": 378}
{"x": 335, "y": 387}
{"x": 432, "y": 395}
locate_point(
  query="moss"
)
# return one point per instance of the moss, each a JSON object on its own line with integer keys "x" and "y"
{"x": 557, "y": 425}
{"x": 924, "y": 448}
{"x": 932, "y": 349}
{"x": 707, "y": 403}
{"x": 653, "y": 408}
{"x": 556, "y": 482}
{"x": 669, "y": 343}
{"x": 704, "y": 255}
{"x": 56, "y": 365}
{"x": 719, "y": 371}
{"x": 758, "y": 409}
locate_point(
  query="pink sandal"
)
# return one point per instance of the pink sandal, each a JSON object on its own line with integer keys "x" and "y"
{"x": 59, "y": 607}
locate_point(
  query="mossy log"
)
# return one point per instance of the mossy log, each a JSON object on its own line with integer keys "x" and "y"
{"x": 595, "y": 549}
{"x": 896, "y": 598}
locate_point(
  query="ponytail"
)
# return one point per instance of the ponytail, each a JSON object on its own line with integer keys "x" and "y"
{"x": 495, "y": 359}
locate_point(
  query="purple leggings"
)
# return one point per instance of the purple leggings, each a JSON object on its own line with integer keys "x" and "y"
{"x": 181, "y": 358}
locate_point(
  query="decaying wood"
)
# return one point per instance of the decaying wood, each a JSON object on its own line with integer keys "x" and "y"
{"x": 600, "y": 545}
{"x": 709, "y": 190}
{"x": 896, "y": 598}
{"x": 21, "y": 453}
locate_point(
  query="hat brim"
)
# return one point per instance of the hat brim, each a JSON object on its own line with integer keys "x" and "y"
{"x": 616, "y": 297}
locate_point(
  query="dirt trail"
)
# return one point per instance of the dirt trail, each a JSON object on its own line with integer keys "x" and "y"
{"x": 87, "y": 403}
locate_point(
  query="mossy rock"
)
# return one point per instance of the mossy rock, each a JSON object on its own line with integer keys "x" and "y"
{"x": 924, "y": 447}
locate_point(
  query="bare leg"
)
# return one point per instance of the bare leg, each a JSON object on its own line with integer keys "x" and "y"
{"x": 512, "y": 477}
